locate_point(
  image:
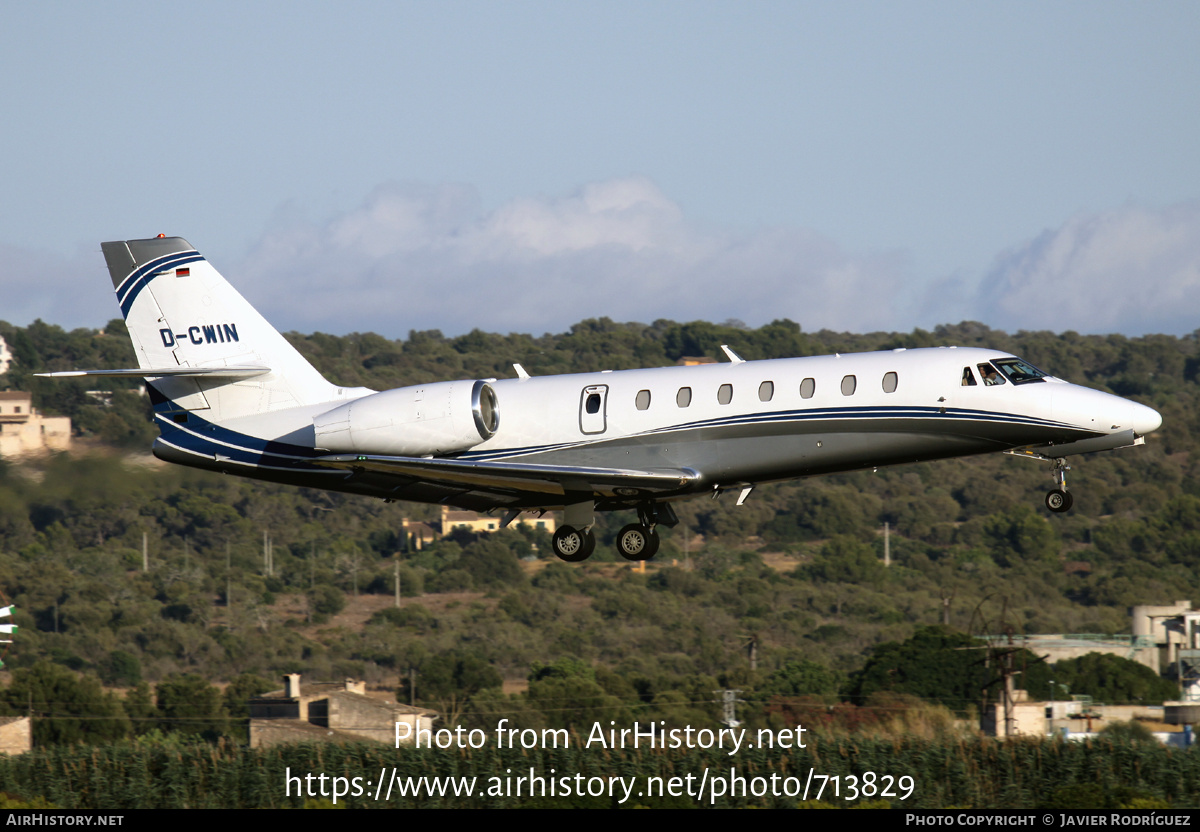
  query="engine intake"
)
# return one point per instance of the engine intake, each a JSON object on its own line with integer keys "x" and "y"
{"x": 423, "y": 420}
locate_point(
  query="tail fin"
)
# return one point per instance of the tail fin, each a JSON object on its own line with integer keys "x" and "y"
{"x": 182, "y": 314}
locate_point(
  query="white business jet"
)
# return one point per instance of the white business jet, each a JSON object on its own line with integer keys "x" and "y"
{"x": 230, "y": 394}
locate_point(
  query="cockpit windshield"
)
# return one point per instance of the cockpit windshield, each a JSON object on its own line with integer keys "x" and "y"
{"x": 1018, "y": 371}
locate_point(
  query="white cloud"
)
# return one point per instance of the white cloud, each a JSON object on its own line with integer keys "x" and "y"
{"x": 428, "y": 257}
{"x": 1131, "y": 270}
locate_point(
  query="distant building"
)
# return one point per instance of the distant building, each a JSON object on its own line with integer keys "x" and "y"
{"x": 6, "y": 356}
{"x": 337, "y": 712}
{"x": 16, "y": 734}
{"x": 694, "y": 360}
{"x": 25, "y": 431}
{"x": 482, "y": 524}
{"x": 1076, "y": 718}
{"x": 417, "y": 535}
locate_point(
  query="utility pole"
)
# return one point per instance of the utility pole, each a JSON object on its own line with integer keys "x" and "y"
{"x": 729, "y": 702}
{"x": 887, "y": 546}
{"x": 397, "y": 565}
{"x": 145, "y": 553}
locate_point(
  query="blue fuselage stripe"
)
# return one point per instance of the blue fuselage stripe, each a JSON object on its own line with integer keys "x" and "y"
{"x": 204, "y": 438}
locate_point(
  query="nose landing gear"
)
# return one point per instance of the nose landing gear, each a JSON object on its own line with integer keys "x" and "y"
{"x": 1060, "y": 500}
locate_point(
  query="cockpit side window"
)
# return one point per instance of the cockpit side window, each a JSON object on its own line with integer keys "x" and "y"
{"x": 989, "y": 375}
{"x": 1018, "y": 371}
{"x": 968, "y": 378}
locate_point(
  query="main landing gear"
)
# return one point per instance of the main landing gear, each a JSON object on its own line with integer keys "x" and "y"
{"x": 573, "y": 545}
{"x": 574, "y": 541}
{"x": 1060, "y": 500}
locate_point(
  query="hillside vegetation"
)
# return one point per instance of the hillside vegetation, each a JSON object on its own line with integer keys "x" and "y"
{"x": 796, "y": 572}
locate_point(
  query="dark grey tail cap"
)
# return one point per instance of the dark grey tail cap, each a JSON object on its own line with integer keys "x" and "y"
{"x": 124, "y": 256}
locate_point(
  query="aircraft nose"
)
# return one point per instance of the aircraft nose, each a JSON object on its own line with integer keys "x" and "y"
{"x": 1144, "y": 419}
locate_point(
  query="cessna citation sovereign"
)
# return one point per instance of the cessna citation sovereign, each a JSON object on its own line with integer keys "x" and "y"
{"x": 230, "y": 394}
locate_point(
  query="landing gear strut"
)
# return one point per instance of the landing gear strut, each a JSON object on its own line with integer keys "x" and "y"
{"x": 1060, "y": 500}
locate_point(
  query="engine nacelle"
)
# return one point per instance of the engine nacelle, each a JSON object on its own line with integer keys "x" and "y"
{"x": 412, "y": 421}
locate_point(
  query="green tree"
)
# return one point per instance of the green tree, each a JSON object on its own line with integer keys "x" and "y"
{"x": 67, "y": 707}
{"x": 936, "y": 664}
{"x": 190, "y": 705}
{"x": 1104, "y": 677}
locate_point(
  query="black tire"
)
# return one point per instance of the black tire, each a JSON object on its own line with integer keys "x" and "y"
{"x": 633, "y": 541}
{"x": 636, "y": 542}
{"x": 573, "y": 545}
{"x": 1059, "y": 501}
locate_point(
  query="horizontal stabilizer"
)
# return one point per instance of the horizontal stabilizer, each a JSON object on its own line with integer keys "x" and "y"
{"x": 519, "y": 477}
{"x": 162, "y": 372}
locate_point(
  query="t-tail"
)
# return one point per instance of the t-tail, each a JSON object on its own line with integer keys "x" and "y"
{"x": 201, "y": 346}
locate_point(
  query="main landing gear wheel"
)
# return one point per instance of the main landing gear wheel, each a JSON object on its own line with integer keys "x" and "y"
{"x": 573, "y": 545}
{"x": 637, "y": 542}
{"x": 1059, "y": 501}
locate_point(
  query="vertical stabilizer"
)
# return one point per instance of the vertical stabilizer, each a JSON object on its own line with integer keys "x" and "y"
{"x": 181, "y": 312}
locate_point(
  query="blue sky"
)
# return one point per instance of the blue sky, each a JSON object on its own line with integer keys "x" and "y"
{"x": 522, "y": 166}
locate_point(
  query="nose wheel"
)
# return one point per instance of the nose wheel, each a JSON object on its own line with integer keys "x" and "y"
{"x": 1060, "y": 500}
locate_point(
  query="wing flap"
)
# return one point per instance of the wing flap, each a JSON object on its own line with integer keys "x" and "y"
{"x": 517, "y": 477}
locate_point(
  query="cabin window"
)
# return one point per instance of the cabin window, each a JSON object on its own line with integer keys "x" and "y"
{"x": 989, "y": 375}
{"x": 643, "y": 400}
{"x": 725, "y": 394}
{"x": 807, "y": 388}
{"x": 848, "y": 385}
{"x": 890, "y": 380}
{"x": 766, "y": 391}
{"x": 968, "y": 378}
{"x": 684, "y": 397}
{"x": 593, "y": 403}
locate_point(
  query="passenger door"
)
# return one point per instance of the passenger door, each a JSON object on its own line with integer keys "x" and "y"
{"x": 593, "y": 409}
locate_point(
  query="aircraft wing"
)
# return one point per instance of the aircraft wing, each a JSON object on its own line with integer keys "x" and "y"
{"x": 516, "y": 478}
